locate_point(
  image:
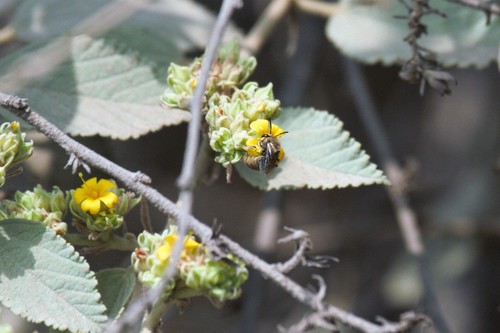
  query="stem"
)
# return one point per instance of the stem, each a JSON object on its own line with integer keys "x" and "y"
{"x": 489, "y": 7}
{"x": 259, "y": 33}
{"x": 153, "y": 319}
{"x": 113, "y": 243}
{"x": 320, "y": 8}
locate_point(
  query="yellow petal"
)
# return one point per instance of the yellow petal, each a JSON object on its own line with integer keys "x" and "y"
{"x": 277, "y": 131}
{"x": 191, "y": 245}
{"x": 171, "y": 239}
{"x": 260, "y": 126}
{"x": 105, "y": 185}
{"x": 252, "y": 142}
{"x": 255, "y": 150}
{"x": 79, "y": 195}
{"x": 164, "y": 252}
{"x": 90, "y": 184}
{"x": 281, "y": 155}
{"x": 109, "y": 199}
{"x": 92, "y": 206}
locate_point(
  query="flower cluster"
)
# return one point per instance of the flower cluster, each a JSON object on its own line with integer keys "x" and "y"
{"x": 230, "y": 105}
{"x": 101, "y": 205}
{"x": 39, "y": 205}
{"x": 229, "y": 119}
{"x": 13, "y": 148}
{"x": 229, "y": 72}
{"x": 198, "y": 273}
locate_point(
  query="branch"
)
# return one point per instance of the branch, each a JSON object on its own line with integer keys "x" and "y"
{"x": 265, "y": 25}
{"x": 132, "y": 181}
{"x": 488, "y": 7}
{"x": 320, "y": 8}
{"x": 304, "y": 245}
{"x": 422, "y": 67}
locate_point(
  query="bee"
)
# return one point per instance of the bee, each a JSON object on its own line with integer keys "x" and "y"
{"x": 269, "y": 150}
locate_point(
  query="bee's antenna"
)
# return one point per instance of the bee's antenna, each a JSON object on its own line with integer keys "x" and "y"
{"x": 270, "y": 125}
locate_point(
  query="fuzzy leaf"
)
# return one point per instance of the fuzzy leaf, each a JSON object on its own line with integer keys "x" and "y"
{"x": 104, "y": 90}
{"x": 115, "y": 286}
{"x": 369, "y": 32}
{"x": 181, "y": 24}
{"x": 111, "y": 86}
{"x": 43, "y": 279}
{"x": 318, "y": 154}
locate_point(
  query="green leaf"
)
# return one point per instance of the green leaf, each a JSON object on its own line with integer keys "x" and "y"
{"x": 116, "y": 286}
{"x": 104, "y": 90}
{"x": 318, "y": 154}
{"x": 182, "y": 24}
{"x": 43, "y": 279}
{"x": 369, "y": 32}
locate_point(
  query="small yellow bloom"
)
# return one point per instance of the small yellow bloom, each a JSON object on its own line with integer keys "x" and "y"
{"x": 164, "y": 252}
{"x": 261, "y": 127}
{"x": 94, "y": 194}
{"x": 255, "y": 150}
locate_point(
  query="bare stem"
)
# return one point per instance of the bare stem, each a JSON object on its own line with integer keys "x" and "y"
{"x": 259, "y": 33}
{"x": 316, "y": 7}
{"x": 489, "y": 7}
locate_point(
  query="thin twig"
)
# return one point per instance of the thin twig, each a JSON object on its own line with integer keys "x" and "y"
{"x": 320, "y": 8}
{"x": 271, "y": 16}
{"x": 145, "y": 217}
{"x": 488, "y": 7}
{"x": 422, "y": 67}
{"x": 20, "y": 108}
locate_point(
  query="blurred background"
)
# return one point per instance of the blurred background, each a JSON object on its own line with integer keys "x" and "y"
{"x": 450, "y": 145}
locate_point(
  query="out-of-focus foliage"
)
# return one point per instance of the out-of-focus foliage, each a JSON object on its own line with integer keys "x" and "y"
{"x": 369, "y": 31}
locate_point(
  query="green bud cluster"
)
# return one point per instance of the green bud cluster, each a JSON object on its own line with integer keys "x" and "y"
{"x": 106, "y": 219}
{"x": 46, "y": 207}
{"x": 230, "y": 71}
{"x": 229, "y": 119}
{"x": 13, "y": 148}
{"x": 148, "y": 266}
{"x": 198, "y": 273}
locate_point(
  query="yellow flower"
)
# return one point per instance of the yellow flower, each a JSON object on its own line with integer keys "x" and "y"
{"x": 95, "y": 195}
{"x": 261, "y": 127}
{"x": 255, "y": 149}
{"x": 165, "y": 250}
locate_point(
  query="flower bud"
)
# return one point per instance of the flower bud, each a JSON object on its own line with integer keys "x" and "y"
{"x": 13, "y": 148}
{"x": 39, "y": 205}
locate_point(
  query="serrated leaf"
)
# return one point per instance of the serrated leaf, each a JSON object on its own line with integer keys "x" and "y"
{"x": 369, "y": 32}
{"x": 43, "y": 279}
{"x": 104, "y": 90}
{"x": 115, "y": 286}
{"x": 318, "y": 154}
{"x": 180, "y": 23}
